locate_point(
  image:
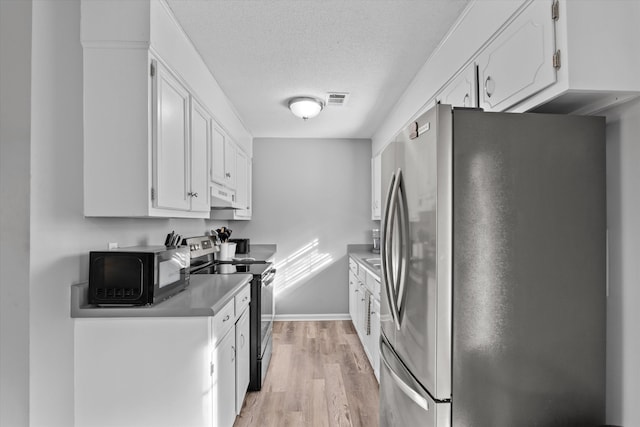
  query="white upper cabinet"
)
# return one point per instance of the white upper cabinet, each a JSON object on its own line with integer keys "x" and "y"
{"x": 376, "y": 187}
{"x": 230, "y": 176}
{"x": 598, "y": 62}
{"x": 562, "y": 57}
{"x": 223, "y": 159}
{"x": 200, "y": 137}
{"x": 520, "y": 61}
{"x": 230, "y": 159}
{"x": 149, "y": 101}
{"x": 241, "y": 197}
{"x": 243, "y": 181}
{"x": 462, "y": 90}
{"x": 217, "y": 160}
{"x": 171, "y": 141}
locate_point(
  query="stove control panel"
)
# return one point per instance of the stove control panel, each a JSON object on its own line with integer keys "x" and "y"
{"x": 200, "y": 246}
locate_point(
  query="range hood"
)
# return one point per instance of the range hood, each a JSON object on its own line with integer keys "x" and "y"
{"x": 223, "y": 198}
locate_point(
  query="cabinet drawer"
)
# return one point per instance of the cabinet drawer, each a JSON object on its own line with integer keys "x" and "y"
{"x": 242, "y": 300}
{"x": 374, "y": 286}
{"x": 222, "y": 321}
{"x": 353, "y": 266}
{"x": 362, "y": 275}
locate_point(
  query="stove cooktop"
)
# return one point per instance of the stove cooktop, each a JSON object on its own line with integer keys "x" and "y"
{"x": 254, "y": 269}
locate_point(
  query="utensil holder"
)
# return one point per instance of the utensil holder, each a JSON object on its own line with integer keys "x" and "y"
{"x": 227, "y": 251}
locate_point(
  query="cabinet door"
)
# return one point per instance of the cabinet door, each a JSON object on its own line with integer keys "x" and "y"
{"x": 230, "y": 158}
{"x": 375, "y": 337}
{"x": 361, "y": 313}
{"x": 461, "y": 91}
{"x": 376, "y": 194}
{"x": 242, "y": 183}
{"x": 171, "y": 142}
{"x": 519, "y": 62}
{"x": 217, "y": 156}
{"x": 242, "y": 359}
{"x": 200, "y": 138}
{"x": 224, "y": 381}
{"x": 353, "y": 297}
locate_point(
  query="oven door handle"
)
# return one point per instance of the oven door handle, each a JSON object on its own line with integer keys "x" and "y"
{"x": 269, "y": 278}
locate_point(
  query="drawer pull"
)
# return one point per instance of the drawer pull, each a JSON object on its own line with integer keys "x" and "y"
{"x": 226, "y": 318}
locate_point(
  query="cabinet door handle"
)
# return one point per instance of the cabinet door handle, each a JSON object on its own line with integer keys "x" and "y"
{"x": 465, "y": 99}
{"x": 228, "y": 175}
{"x": 489, "y": 86}
{"x": 192, "y": 194}
{"x": 233, "y": 353}
{"x": 226, "y": 318}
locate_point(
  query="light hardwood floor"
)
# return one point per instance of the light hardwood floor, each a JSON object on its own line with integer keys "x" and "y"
{"x": 319, "y": 376}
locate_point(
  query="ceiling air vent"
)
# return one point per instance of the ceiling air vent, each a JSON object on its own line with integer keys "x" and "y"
{"x": 336, "y": 98}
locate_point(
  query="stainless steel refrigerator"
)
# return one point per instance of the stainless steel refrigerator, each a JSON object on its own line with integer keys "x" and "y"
{"x": 494, "y": 271}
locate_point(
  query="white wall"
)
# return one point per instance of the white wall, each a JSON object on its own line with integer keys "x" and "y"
{"x": 623, "y": 217}
{"x": 60, "y": 236}
{"x": 15, "y": 122}
{"x": 312, "y": 195}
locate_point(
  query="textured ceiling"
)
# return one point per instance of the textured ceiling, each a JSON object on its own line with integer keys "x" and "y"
{"x": 263, "y": 52}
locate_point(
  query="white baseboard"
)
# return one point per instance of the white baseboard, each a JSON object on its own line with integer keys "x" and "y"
{"x": 311, "y": 317}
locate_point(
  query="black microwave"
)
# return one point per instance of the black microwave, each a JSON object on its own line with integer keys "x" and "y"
{"x": 137, "y": 275}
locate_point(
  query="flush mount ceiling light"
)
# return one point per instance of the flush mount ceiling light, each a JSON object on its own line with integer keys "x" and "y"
{"x": 305, "y": 107}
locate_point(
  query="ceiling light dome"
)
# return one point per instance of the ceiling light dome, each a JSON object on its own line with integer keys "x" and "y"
{"x": 305, "y": 107}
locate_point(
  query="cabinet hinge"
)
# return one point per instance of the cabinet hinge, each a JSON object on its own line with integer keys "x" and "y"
{"x": 152, "y": 69}
{"x": 555, "y": 10}
{"x": 556, "y": 59}
{"x": 153, "y": 194}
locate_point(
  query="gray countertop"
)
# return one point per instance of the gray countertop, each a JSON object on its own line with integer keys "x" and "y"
{"x": 260, "y": 252}
{"x": 205, "y": 296}
{"x": 361, "y": 253}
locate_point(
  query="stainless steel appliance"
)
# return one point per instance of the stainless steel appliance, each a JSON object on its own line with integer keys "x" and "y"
{"x": 137, "y": 275}
{"x": 261, "y": 308}
{"x": 243, "y": 246}
{"x": 375, "y": 235}
{"x": 494, "y": 271}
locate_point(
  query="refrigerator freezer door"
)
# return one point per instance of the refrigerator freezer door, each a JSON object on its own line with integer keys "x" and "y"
{"x": 418, "y": 237}
{"x": 403, "y": 401}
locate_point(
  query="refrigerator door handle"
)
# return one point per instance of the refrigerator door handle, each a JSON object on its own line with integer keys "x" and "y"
{"x": 405, "y": 246}
{"x": 401, "y": 376}
{"x": 386, "y": 256}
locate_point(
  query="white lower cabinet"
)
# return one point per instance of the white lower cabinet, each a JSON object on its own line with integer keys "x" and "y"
{"x": 142, "y": 372}
{"x": 162, "y": 371}
{"x": 364, "y": 310}
{"x": 223, "y": 378}
{"x": 242, "y": 359}
{"x": 353, "y": 292}
{"x": 374, "y": 342}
